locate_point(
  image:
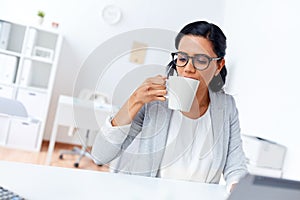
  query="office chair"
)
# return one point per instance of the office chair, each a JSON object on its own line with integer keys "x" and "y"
{"x": 12, "y": 107}
{"x": 83, "y": 152}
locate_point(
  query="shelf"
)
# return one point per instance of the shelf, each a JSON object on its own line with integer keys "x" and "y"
{"x": 39, "y": 59}
{"x": 8, "y": 84}
{"x": 11, "y": 53}
{"x": 35, "y": 73}
{"x": 49, "y": 30}
{"x": 31, "y": 88}
{"x": 28, "y": 63}
{"x": 12, "y": 36}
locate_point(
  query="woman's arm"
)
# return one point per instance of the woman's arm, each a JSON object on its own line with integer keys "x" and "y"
{"x": 235, "y": 166}
{"x": 114, "y": 135}
{"x": 153, "y": 89}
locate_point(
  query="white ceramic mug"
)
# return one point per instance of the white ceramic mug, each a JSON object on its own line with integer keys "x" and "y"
{"x": 181, "y": 92}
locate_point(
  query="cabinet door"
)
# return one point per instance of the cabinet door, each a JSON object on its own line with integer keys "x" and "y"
{"x": 6, "y": 91}
{"x": 4, "y": 123}
{"x": 23, "y": 134}
{"x": 8, "y": 66}
{"x": 34, "y": 102}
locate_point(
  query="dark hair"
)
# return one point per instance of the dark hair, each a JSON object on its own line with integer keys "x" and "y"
{"x": 214, "y": 34}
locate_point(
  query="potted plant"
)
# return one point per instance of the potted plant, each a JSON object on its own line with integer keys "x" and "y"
{"x": 41, "y": 15}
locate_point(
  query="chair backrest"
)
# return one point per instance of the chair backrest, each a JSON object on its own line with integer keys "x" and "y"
{"x": 12, "y": 107}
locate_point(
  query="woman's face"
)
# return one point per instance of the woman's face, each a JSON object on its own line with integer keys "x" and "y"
{"x": 199, "y": 45}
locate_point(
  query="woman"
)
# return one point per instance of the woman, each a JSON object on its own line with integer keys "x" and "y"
{"x": 147, "y": 138}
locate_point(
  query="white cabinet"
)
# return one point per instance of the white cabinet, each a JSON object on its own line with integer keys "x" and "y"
{"x": 23, "y": 133}
{"x": 34, "y": 102}
{"x": 8, "y": 66}
{"x": 35, "y": 74}
{"x": 28, "y": 64}
{"x": 4, "y": 124}
{"x": 6, "y": 91}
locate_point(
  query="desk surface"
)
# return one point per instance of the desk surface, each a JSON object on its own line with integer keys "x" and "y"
{"x": 37, "y": 182}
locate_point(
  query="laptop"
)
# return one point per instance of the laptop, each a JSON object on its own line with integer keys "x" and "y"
{"x": 6, "y": 194}
{"x": 264, "y": 188}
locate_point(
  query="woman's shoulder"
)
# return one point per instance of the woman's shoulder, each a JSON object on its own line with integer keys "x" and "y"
{"x": 222, "y": 98}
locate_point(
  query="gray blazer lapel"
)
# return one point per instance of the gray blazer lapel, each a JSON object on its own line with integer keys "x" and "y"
{"x": 161, "y": 129}
{"x": 217, "y": 102}
{"x": 217, "y": 111}
{"x": 157, "y": 120}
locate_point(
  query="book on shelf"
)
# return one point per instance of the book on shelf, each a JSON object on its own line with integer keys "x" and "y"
{"x": 31, "y": 39}
{"x": 4, "y": 34}
{"x": 8, "y": 67}
{"x": 26, "y": 75}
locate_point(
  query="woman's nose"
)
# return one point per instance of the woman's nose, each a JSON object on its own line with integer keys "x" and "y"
{"x": 189, "y": 67}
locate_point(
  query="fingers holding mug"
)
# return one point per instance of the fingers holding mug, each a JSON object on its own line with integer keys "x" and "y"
{"x": 153, "y": 89}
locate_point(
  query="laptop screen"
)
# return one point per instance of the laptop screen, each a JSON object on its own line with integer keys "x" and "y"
{"x": 264, "y": 188}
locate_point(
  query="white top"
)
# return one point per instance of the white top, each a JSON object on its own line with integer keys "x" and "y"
{"x": 188, "y": 155}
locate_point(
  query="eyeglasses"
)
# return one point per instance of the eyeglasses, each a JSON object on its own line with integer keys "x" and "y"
{"x": 200, "y": 61}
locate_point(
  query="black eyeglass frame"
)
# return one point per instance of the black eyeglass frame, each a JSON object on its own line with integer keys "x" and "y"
{"x": 193, "y": 57}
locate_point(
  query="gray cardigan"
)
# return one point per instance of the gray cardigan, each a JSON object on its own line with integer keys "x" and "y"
{"x": 150, "y": 128}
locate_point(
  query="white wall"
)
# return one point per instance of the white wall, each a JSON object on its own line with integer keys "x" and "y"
{"x": 84, "y": 30}
{"x": 263, "y": 52}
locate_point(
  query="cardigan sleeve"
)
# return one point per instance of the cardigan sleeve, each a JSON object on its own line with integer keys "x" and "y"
{"x": 111, "y": 141}
{"x": 235, "y": 166}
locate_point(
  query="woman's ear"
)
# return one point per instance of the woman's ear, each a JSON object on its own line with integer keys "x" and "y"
{"x": 220, "y": 64}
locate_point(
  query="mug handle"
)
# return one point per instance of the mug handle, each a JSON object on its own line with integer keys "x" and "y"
{"x": 167, "y": 95}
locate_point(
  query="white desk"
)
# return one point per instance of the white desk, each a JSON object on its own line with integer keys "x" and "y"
{"x": 77, "y": 113}
{"x": 35, "y": 182}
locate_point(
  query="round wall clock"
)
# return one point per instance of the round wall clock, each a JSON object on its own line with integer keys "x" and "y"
{"x": 111, "y": 14}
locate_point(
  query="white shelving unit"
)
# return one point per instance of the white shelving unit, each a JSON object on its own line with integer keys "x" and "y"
{"x": 28, "y": 63}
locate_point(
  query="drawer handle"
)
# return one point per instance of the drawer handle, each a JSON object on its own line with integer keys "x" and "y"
{"x": 1, "y": 88}
{"x": 25, "y": 123}
{"x": 32, "y": 94}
